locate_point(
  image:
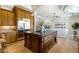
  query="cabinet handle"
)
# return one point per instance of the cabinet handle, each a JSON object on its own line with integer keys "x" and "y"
{"x": 27, "y": 36}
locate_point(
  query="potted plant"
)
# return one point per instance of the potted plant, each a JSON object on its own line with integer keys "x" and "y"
{"x": 75, "y": 26}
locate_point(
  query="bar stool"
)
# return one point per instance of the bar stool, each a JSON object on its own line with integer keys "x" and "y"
{"x": 2, "y": 45}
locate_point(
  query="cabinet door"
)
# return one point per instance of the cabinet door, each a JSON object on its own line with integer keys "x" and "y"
{"x": 35, "y": 43}
{"x": 28, "y": 41}
{"x": 19, "y": 14}
{"x": 26, "y": 15}
{"x": 10, "y": 37}
{"x": 4, "y": 17}
{"x": 0, "y": 17}
{"x": 11, "y": 19}
{"x": 23, "y": 14}
{"x": 29, "y": 15}
{"x": 13, "y": 36}
{"x": 7, "y": 37}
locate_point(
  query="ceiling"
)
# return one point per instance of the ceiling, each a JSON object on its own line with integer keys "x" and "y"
{"x": 31, "y": 8}
{"x": 48, "y": 11}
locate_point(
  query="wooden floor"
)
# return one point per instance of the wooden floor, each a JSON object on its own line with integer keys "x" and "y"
{"x": 62, "y": 46}
{"x": 17, "y": 47}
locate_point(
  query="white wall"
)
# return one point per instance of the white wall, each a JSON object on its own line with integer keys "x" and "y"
{"x": 72, "y": 20}
{"x": 46, "y": 12}
{"x": 62, "y": 32}
{"x": 34, "y": 20}
{"x": 68, "y": 24}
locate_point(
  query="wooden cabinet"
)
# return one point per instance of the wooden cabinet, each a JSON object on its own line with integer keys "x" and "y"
{"x": 7, "y": 37}
{"x": 4, "y": 17}
{"x": 10, "y": 37}
{"x": 20, "y": 14}
{"x": 33, "y": 42}
{"x": 36, "y": 43}
{"x": 28, "y": 41}
{"x": 13, "y": 37}
{"x": 0, "y": 17}
{"x": 23, "y": 14}
{"x": 40, "y": 43}
{"x": 7, "y": 18}
{"x": 27, "y": 15}
{"x": 11, "y": 19}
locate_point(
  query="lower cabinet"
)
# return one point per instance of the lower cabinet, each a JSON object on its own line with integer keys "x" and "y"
{"x": 10, "y": 37}
{"x": 32, "y": 42}
{"x": 35, "y": 43}
{"x": 38, "y": 43}
{"x": 28, "y": 41}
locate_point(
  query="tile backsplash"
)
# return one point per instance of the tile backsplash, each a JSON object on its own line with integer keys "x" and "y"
{"x": 7, "y": 27}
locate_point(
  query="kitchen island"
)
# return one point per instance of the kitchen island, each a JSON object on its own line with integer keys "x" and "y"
{"x": 40, "y": 42}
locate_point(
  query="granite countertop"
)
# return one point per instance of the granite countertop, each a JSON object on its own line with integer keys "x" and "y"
{"x": 38, "y": 33}
{"x": 42, "y": 34}
{"x": 6, "y": 31}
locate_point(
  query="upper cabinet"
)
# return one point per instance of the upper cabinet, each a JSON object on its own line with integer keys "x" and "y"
{"x": 0, "y": 16}
{"x": 11, "y": 19}
{"x": 7, "y": 18}
{"x": 20, "y": 14}
{"x": 4, "y": 17}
